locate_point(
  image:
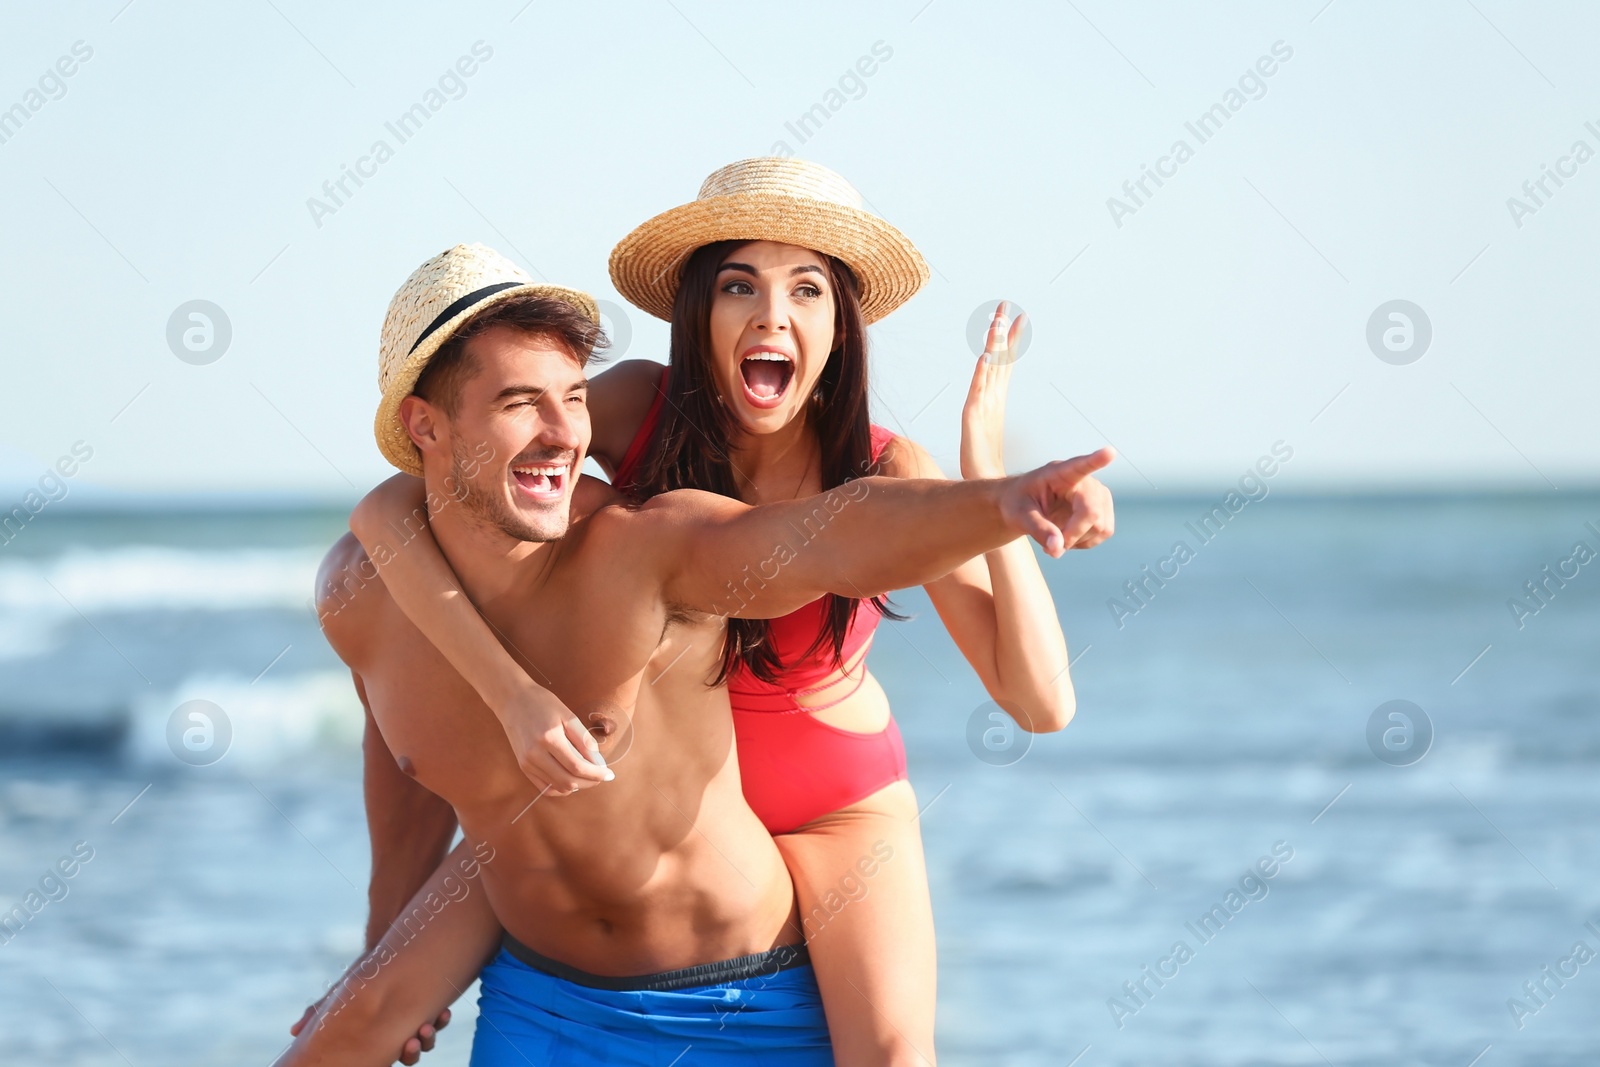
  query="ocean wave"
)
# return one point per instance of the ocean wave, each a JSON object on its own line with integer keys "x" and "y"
{"x": 265, "y": 723}
{"x": 141, "y": 577}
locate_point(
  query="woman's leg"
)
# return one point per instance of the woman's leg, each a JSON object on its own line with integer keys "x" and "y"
{"x": 862, "y": 885}
{"x": 428, "y": 958}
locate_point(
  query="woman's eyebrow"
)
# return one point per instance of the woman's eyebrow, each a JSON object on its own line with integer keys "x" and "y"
{"x": 745, "y": 268}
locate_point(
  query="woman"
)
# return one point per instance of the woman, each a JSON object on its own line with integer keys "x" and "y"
{"x": 769, "y": 279}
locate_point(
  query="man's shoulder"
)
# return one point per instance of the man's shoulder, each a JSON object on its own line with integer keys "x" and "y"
{"x": 591, "y": 494}
{"x": 349, "y": 592}
{"x": 593, "y": 499}
{"x": 687, "y": 507}
{"x": 645, "y": 542}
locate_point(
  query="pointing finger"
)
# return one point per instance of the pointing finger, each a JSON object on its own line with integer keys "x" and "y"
{"x": 1071, "y": 471}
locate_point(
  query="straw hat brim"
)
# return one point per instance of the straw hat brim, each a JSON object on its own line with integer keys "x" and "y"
{"x": 393, "y": 440}
{"x": 646, "y": 264}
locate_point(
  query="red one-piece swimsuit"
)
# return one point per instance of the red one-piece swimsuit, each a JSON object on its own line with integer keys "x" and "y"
{"x": 795, "y": 767}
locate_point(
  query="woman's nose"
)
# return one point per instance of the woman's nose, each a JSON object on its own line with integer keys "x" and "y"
{"x": 772, "y": 313}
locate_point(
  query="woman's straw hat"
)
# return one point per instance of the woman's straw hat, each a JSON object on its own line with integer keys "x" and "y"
{"x": 434, "y": 302}
{"x": 770, "y": 199}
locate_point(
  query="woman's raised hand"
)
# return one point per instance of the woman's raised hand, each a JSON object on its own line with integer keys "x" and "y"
{"x": 983, "y": 418}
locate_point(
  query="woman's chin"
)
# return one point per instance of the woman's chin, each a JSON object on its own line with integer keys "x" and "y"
{"x": 757, "y": 417}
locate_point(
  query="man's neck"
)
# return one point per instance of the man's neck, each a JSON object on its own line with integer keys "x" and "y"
{"x": 488, "y": 562}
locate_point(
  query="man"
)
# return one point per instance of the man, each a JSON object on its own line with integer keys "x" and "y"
{"x": 653, "y": 914}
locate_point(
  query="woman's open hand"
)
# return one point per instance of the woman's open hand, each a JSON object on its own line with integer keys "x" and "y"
{"x": 983, "y": 418}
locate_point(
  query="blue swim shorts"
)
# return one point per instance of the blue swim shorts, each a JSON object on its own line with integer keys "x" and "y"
{"x": 533, "y": 1010}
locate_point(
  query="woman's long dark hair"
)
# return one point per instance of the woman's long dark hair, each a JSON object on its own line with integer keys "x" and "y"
{"x": 690, "y": 446}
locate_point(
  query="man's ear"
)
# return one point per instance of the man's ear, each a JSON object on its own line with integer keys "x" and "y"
{"x": 423, "y": 423}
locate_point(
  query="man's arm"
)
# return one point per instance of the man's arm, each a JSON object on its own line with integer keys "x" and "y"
{"x": 867, "y": 537}
{"x": 409, "y": 826}
{"x": 410, "y": 829}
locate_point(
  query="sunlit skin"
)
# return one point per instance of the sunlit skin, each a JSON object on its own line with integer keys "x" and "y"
{"x": 543, "y": 431}
{"x": 622, "y": 614}
{"x": 772, "y": 299}
{"x": 776, "y": 299}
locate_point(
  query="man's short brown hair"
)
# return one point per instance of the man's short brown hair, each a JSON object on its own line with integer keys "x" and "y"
{"x": 448, "y": 371}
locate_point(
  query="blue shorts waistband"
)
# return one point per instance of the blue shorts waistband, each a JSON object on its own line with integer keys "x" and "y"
{"x": 529, "y": 1016}
{"x": 720, "y": 972}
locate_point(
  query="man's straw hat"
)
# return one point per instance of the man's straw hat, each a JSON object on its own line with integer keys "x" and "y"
{"x": 434, "y": 302}
{"x": 771, "y": 199}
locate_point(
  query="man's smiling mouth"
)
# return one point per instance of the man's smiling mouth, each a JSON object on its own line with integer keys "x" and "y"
{"x": 543, "y": 481}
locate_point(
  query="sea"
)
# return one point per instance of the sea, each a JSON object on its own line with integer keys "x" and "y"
{"x": 1331, "y": 795}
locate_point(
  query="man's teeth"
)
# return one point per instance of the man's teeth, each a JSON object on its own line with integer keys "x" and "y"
{"x": 543, "y": 478}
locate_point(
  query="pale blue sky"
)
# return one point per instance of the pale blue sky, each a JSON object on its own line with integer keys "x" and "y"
{"x": 1226, "y": 313}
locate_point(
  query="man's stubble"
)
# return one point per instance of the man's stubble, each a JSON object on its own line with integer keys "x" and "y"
{"x": 489, "y": 508}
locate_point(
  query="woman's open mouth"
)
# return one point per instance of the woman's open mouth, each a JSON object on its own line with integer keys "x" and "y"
{"x": 545, "y": 482}
{"x": 766, "y": 374}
